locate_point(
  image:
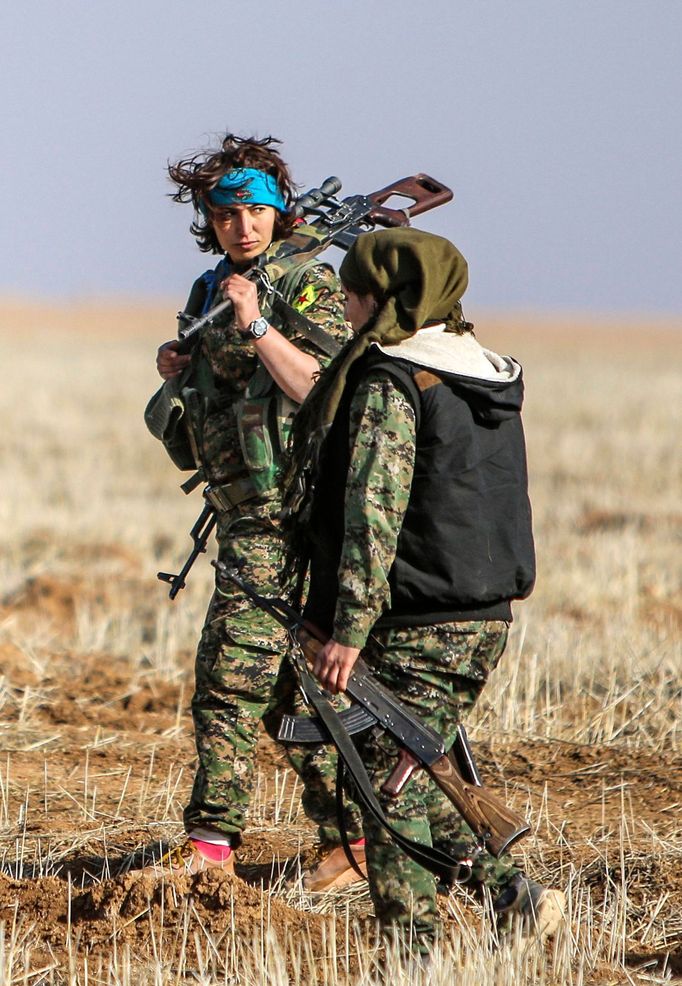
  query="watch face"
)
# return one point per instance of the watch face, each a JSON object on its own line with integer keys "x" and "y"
{"x": 258, "y": 328}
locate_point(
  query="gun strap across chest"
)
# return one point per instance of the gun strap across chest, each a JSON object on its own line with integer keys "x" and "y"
{"x": 307, "y": 328}
{"x": 431, "y": 858}
{"x": 288, "y": 285}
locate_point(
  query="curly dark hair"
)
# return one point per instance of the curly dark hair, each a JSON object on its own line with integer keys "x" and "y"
{"x": 195, "y": 177}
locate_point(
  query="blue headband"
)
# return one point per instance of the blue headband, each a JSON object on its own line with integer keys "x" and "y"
{"x": 247, "y": 186}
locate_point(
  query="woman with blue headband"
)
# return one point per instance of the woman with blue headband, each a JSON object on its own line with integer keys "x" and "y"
{"x": 240, "y": 388}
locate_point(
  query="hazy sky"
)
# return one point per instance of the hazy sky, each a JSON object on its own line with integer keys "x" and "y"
{"x": 556, "y": 122}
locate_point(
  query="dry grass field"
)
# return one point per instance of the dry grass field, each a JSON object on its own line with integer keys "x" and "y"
{"x": 580, "y": 726}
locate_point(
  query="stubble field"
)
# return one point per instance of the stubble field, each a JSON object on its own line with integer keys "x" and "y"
{"x": 579, "y": 727}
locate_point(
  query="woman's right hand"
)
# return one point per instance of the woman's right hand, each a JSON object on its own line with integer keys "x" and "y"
{"x": 169, "y": 363}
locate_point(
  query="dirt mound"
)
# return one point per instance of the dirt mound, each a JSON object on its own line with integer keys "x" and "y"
{"x": 588, "y": 784}
{"x": 17, "y": 668}
{"x": 42, "y": 546}
{"x": 99, "y": 690}
{"x": 61, "y": 577}
{"x": 150, "y": 914}
{"x": 76, "y": 690}
{"x": 47, "y": 596}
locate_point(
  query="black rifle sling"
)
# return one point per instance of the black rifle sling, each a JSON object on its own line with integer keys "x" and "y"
{"x": 430, "y": 857}
{"x": 308, "y": 329}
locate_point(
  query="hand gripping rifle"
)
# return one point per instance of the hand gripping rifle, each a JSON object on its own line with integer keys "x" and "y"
{"x": 336, "y": 223}
{"x": 493, "y": 823}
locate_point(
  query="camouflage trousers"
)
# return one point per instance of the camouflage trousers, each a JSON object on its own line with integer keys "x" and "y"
{"x": 438, "y": 672}
{"x": 242, "y": 677}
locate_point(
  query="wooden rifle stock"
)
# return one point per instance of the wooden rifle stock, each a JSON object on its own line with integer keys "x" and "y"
{"x": 483, "y": 811}
{"x": 425, "y": 192}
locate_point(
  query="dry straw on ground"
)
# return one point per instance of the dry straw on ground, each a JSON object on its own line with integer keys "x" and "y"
{"x": 580, "y": 726}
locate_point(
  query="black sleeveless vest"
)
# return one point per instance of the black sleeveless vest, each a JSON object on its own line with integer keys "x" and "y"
{"x": 465, "y": 549}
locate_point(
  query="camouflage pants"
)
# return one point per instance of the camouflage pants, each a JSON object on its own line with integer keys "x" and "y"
{"x": 241, "y": 679}
{"x": 439, "y": 672}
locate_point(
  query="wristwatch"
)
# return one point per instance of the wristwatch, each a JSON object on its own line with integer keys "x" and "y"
{"x": 257, "y": 328}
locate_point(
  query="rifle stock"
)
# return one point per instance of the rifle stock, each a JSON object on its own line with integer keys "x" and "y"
{"x": 483, "y": 811}
{"x": 425, "y": 192}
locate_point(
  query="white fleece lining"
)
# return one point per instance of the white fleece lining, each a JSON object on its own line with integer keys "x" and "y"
{"x": 437, "y": 349}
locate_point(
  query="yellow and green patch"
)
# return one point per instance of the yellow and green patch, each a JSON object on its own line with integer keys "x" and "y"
{"x": 305, "y": 299}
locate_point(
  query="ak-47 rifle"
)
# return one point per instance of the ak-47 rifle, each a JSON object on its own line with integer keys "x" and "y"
{"x": 494, "y": 824}
{"x": 337, "y": 223}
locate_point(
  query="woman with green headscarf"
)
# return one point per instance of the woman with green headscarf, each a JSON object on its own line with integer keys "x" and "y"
{"x": 411, "y": 511}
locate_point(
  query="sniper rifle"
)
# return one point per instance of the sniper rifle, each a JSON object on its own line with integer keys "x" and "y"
{"x": 495, "y": 825}
{"x": 337, "y": 223}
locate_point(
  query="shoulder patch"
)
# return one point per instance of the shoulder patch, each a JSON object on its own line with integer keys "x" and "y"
{"x": 305, "y": 299}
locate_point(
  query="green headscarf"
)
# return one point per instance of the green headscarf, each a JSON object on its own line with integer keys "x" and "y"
{"x": 415, "y": 277}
